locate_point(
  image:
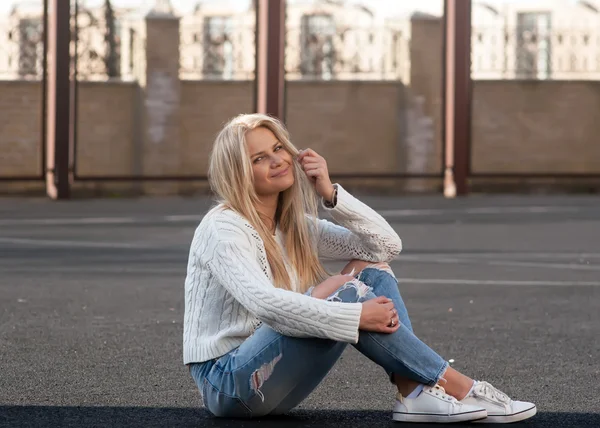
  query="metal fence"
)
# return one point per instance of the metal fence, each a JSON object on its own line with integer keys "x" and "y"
{"x": 523, "y": 53}
{"x": 221, "y": 51}
{"x": 24, "y": 56}
{"x": 347, "y": 53}
{"x": 103, "y": 41}
{"x": 22, "y": 45}
{"x": 214, "y": 49}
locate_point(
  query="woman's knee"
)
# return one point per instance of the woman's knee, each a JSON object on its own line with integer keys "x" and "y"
{"x": 350, "y": 292}
{"x": 356, "y": 266}
{"x": 329, "y": 286}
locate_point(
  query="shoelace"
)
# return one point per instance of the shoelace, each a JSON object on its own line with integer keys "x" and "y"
{"x": 487, "y": 390}
{"x": 441, "y": 392}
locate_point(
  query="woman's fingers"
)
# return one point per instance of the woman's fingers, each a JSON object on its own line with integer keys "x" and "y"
{"x": 389, "y": 330}
{"x": 311, "y": 158}
{"x": 313, "y": 168}
{"x": 312, "y": 164}
{"x": 389, "y": 305}
{"x": 307, "y": 152}
{"x": 391, "y": 322}
{"x": 378, "y": 315}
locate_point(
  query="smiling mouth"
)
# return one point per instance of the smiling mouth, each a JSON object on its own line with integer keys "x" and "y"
{"x": 279, "y": 174}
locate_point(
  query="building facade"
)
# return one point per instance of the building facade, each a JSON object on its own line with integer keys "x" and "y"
{"x": 97, "y": 34}
{"x": 325, "y": 40}
{"x": 538, "y": 40}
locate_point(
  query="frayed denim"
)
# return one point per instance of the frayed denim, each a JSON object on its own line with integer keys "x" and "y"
{"x": 271, "y": 373}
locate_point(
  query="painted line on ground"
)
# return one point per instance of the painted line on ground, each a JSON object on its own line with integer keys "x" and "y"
{"x": 455, "y": 281}
{"x": 195, "y": 218}
{"x": 500, "y": 254}
{"x": 181, "y": 272}
{"x": 101, "y": 220}
{"x": 570, "y": 266}
{"x": 457, "y": 258}
{"x": 480, "y": 210}
{"x": 468, "y": 260}
{"x": 80, "y": 244}
{"x": 68, "y": 221}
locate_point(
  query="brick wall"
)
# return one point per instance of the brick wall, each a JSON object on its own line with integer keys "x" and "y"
{"x": 20, "y": 128}
{"x": 205, "y": 107}
{"x": 357, "y": 126}
{"x": 107, "y": 129}
{"x": 426, "y": 91}
{"x": 354, "y": 125}
{"x": 536, "y": 127}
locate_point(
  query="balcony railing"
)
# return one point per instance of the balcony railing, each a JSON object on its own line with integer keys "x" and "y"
{"x": 227, "y": 55}
{"x": 518, "y": 53}
{"x": 22, "y": 49}
{"x": 343, "y": 54}
{"x": 347, "y": 53}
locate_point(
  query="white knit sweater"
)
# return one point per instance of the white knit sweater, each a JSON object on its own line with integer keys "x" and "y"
{"x": 229, "y": 290}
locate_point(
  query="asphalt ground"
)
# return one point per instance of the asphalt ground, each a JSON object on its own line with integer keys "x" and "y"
{"x": 91, "y": 310}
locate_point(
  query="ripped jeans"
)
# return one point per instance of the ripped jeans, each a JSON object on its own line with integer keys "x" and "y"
{"x": 271, "y": 373}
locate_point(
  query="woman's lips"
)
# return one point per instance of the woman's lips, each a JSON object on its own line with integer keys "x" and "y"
{"x": 281, "y": 173}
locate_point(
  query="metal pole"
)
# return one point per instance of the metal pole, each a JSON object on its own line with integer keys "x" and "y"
{"x": 270, "y": 38}
{"x": 44, "y": 132}
{"x": 457, "y": 96}
{"x": 57, "y": 173}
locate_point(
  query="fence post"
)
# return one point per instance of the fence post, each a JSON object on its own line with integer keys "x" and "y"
{"x": 270, "y": 74}
{"x": 58, "y": 175}
{"x": 426, "y": 90}
{"x": 457, "y": 96}
{"x": 160, "y": 99}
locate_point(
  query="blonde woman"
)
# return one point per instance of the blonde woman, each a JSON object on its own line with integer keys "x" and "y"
{"x": 264, "y": 322}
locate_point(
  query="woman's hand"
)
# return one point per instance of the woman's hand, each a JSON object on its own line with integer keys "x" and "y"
{"x": 379, "y": 315}
{"x": 315, "y": 167}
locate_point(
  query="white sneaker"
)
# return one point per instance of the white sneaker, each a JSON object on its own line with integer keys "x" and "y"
{"x": 434, "y": 405}
{"x": 500, "y": 408}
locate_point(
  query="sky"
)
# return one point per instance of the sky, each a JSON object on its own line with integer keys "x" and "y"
{"x": 380, "y": 7}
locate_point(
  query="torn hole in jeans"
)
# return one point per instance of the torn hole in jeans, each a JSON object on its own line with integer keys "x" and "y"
{"x": 260, "y": 376}
{"x": 351, "y": 291}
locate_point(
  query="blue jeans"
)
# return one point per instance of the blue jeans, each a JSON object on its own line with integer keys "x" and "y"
{"x": 271, "y": 373}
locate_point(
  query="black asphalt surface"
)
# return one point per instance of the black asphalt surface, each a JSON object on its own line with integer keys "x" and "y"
{"x": 91, "y": 310}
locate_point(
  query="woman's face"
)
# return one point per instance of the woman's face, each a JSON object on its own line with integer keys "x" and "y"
{"x": 272, "y": 164}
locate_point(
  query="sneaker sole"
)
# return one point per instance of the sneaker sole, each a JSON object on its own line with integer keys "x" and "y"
{"x": 507, "y": 419}
{"x": 439, "y": 419}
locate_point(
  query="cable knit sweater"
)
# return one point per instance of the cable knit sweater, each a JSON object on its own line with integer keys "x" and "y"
{"x": 229, "y": 289}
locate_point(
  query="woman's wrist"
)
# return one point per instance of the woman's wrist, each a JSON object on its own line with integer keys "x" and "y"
{"x": 330, "y": 198}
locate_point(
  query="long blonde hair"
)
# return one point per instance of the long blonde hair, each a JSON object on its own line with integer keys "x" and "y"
{"x": 231, "y": 179}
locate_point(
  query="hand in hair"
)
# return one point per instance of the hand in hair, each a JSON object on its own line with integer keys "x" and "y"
{"x": 315, "y": 167}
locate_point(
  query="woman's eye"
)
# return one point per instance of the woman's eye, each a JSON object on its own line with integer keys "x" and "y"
{"x": 278, "y": 148}
{"x": 257, "y": 160}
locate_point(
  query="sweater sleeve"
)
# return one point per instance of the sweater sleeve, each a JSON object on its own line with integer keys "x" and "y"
{"x": 234, "y": 266}
{"x": 361, "y": 234}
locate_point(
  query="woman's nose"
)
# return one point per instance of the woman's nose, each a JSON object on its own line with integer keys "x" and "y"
{"x": 276, "y": 159}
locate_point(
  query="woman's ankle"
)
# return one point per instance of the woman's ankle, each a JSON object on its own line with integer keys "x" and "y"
{"x": 455, "y": 383}
{"x": 405, "y": 386}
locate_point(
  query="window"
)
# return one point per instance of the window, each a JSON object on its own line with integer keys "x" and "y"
{"x": 218, "y": 47}
{"x": 317, "y": 46}
{"x": 132, "y": 50}
{"x": 30, "y": 47}
{"x": 533, "y": 45}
